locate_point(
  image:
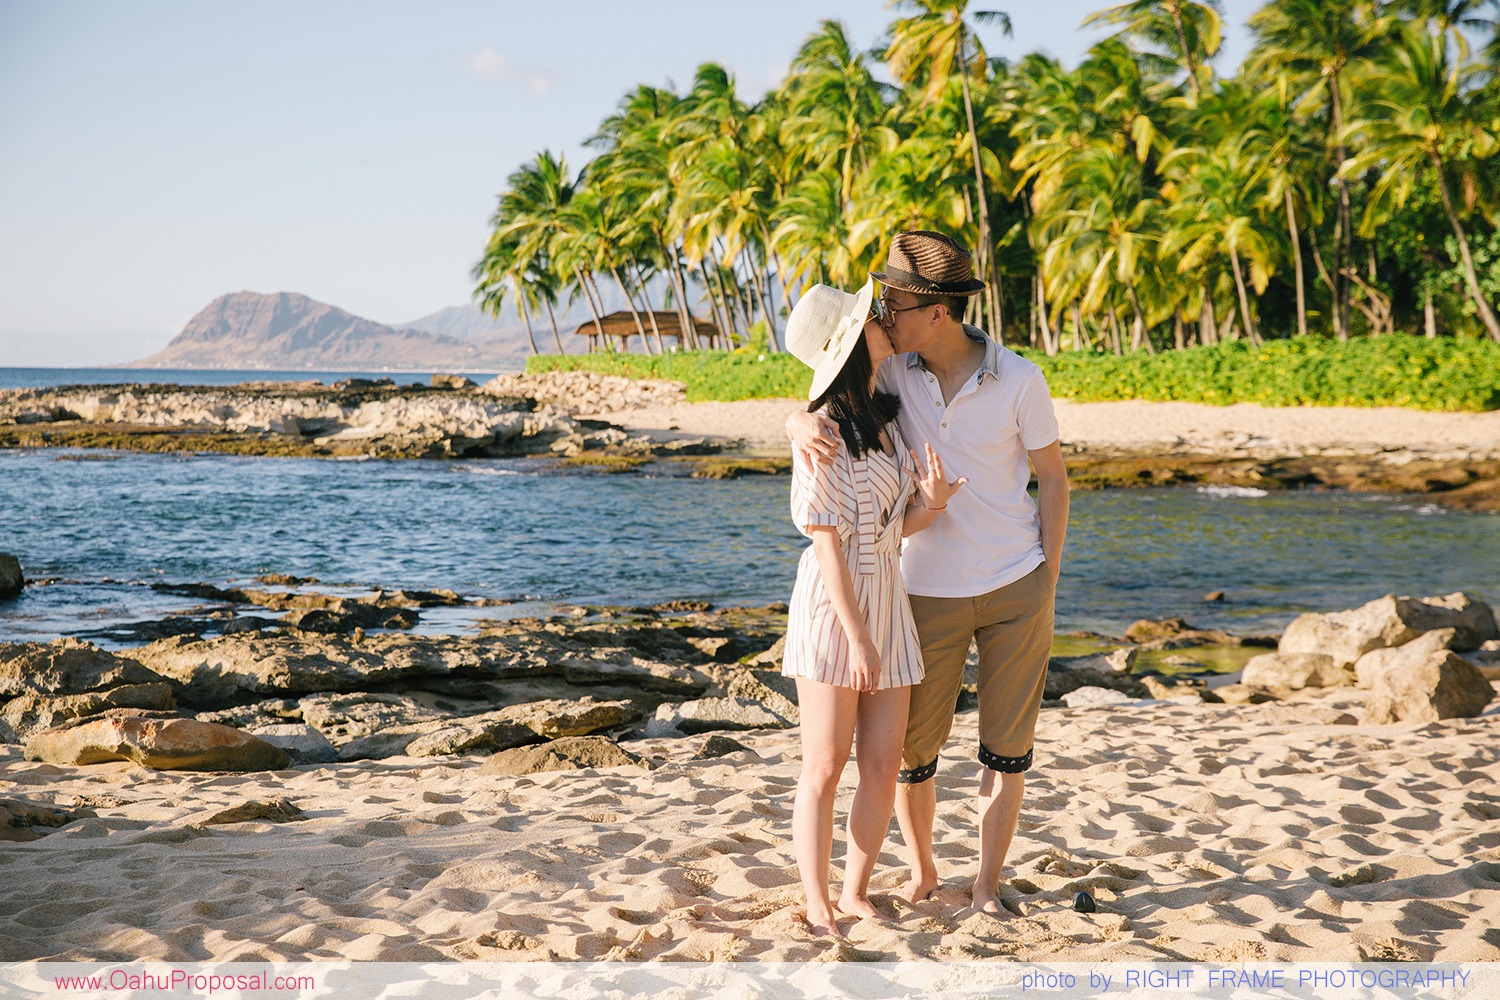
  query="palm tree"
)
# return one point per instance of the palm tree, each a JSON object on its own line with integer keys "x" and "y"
{"x": 1420, "y": 125}
{"x": 496, "y": 275}
{"x": 635, "y": 166}
{"x": 1189, "y": 32}
{"x": 1100, "y": 236}
{"x": 1215, "y": 197}
{"x": 928, "y": 49}
{"x": 835, "y": 108}
{"x": 1311, "y": 45}
{"x": 525, "y": 222}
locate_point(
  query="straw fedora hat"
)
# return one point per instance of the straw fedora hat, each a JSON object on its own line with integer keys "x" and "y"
{"x": 927, "y": 263}
{"x": 823, "y": 328}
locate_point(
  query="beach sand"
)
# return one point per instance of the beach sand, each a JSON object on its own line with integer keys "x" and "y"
{"x": 1136, "y": 425}
{"x": 1278, "y": 832}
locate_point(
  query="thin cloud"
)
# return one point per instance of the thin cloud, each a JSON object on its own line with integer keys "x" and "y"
{"x": 490, "y": 65}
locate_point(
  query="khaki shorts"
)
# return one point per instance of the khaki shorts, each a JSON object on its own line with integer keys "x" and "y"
{"x": 1012, "y": 627}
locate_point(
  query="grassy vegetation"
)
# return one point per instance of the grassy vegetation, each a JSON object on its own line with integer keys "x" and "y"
{"x": 1395, "y": 370}
{"x": 708, "y": 375}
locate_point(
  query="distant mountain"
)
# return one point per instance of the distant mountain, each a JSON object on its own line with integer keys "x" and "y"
{"x": 287, "y": 330}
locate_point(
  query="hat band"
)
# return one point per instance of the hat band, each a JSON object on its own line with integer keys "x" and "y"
{"x": 927, "y": 284}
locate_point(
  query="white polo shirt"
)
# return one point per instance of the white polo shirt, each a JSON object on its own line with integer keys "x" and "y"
{"x": 991, "y": 533}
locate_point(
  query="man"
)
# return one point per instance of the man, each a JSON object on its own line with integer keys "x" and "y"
{"x": 987, "y": 570}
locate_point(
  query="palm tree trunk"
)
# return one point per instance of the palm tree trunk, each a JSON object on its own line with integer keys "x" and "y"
{"x": 553, "y": 319}
{"x": 1187, "y": 57}
{"x": 1049, "y": 344}
{"x": 981, "y": 200}
{"x": 1208, "y": 324}
{"x": 525, "y": 318}
{"x": 1342, "y": 223}
{"x": 640, "y": 278}
{"x": 1476, "y": 294}
{"x": 1239, "y": 284}
{"x": 1138, "y": 331}
{"x": 713, "y": 304}
{"x": 1116, "y": 342}
{"x": 677, "y": 282}
{"x": 593, "y": 311}
{"x": 1429, "y": 317}
{"x": 1080, "y": 339}
{"x": 630, "y": 304}
{"x": 1291, "y": 226}
{"x": 1178, "y": 333}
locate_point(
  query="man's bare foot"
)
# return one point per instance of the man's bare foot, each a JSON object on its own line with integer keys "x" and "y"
{"x": 986, "y": 902}
{"x": 918, "y": 889}
{"x": 857, "y": 906}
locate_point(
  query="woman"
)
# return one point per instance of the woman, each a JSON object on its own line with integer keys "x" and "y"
{"x": 851, "y": 643}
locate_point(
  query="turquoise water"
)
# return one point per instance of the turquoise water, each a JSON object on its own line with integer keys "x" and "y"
{"x": 109, "y": 525}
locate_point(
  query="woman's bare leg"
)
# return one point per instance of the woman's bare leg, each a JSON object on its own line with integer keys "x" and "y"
{"x": 881, "y": 728}
{"x": 828, "y": 717}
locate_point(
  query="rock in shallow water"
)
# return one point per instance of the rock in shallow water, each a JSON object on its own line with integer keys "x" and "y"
{"x": 11, "y": 579}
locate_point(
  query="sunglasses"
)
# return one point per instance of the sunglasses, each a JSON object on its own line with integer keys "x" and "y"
{"x": 885, "y": 314}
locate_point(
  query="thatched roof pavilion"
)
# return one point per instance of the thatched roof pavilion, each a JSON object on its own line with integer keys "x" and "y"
{"x": 622, "y": 325}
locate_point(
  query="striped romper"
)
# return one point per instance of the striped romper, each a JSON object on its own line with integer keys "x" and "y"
{"x": 865, "y": 499}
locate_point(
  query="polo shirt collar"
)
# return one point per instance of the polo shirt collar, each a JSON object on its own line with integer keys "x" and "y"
{"x": 989, "y": 366}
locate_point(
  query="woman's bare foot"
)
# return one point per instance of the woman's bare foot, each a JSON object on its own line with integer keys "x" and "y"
{"x": 857, "y": 906}
{"x": 918, "y": 888}
{"x": 821, "y": 922}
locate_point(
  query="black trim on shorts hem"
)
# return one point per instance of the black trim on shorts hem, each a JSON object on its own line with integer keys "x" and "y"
{"x": 1005, "y": 765}
{"x": 917, "y": 775}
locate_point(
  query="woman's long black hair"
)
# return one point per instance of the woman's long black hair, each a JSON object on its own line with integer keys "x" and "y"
{"x": 859, "y": 412}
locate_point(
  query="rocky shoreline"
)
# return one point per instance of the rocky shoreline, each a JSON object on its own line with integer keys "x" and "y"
{"x": 337, "y": 679}
{"x": 583, "y": 420}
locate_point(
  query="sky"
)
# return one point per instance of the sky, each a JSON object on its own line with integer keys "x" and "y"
{"x": 157, "y": 154}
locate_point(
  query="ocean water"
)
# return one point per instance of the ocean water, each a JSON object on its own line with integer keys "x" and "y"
{"x": 108, "y": 525}
{"x": 36, "y": 378}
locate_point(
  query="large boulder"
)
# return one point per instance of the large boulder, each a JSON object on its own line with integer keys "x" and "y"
{"x": 1294, "y": 671}
{"x": 32, "y": 713}
{"x": 1426, "y": 687}
{"x": 1377, "y": 661}
{"x": 1389, "y": 621}
{"x": 163, "y": 744}
{"x": 11, "y": 579}
{"x": 65, "y": 666}
{"x": 573, "y": 753}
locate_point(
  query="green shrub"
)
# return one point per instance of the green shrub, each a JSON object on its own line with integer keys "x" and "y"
{"x": 1395, "y": 370}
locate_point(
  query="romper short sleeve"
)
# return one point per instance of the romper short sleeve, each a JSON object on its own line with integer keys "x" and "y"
{"x": 1034, "y": 412}
{"x": 823, "y": 495}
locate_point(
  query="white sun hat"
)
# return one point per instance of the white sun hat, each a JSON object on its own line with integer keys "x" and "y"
{"x": 823, "y": 328}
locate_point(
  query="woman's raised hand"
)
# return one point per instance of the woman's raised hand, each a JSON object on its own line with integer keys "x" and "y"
{"x": 933, "y": 483}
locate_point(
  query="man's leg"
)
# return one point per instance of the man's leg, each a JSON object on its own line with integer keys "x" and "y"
{"x": 945, "y": 626}
{"x": 1014, "y": 639}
